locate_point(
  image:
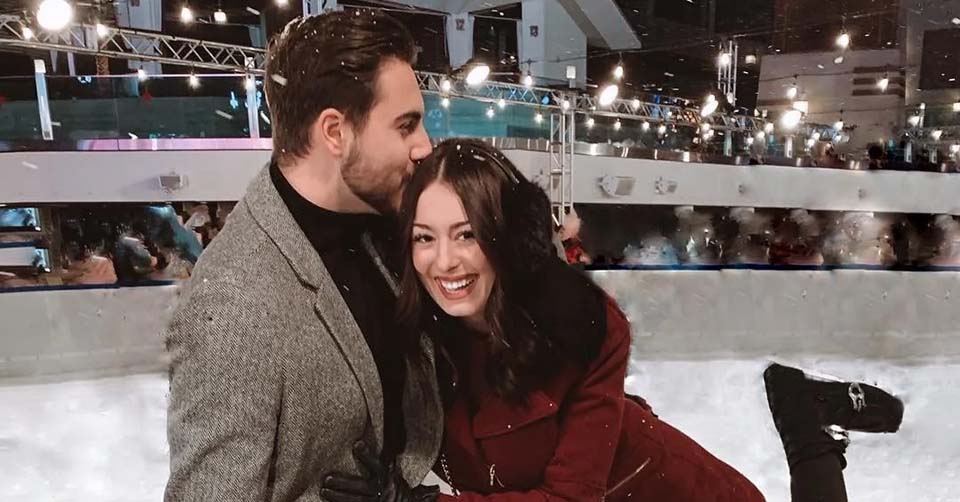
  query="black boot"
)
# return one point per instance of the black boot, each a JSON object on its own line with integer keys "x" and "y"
{"x": 804, "y": 408}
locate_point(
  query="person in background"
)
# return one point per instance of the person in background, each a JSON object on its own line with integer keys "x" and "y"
{"x": 570, "y": 237}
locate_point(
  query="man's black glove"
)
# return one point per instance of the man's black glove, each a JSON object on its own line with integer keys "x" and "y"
{"x": 380, "y": 483}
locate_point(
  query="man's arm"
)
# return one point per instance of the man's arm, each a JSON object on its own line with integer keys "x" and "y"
{"x": 225, "y": 389}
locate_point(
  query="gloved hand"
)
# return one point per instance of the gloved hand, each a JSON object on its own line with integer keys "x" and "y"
{"x": 379, "y": 484}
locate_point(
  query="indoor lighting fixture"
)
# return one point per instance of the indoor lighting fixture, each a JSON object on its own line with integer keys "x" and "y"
{"x": 502, "y": 103}
{"x": 662, "y": 129}
{"x": 768, "y": 128}
{"x": 27, "y": 33}
{"x": 445, "y": 102}
{"x": 590, "y": 123}
{"x": 445, "y": 85}
{"x": 914, "y": 120}
{"x": 838, "y": 125}
{"x": 490, "y": 112}
{"x": 645, "y": 126}
{"x": 538, "y": 118}
{"x": 220, "y": 16}
{"x": 936, "y": 135}
{"x": 249, "y": 84}
{"x": 54, "y": 15}
{"x": 282, "y": 3}
{"x": 843, "y": 41}
{"x": 102, "y": 30}
{"x": 186, "y": 15}
{"x": 883, "y": 83}
{"x": 528, "y": 80}
{"x": 193, "y": 80}
{"x": 750, "y": 59}
{"x": 838, "y": 60}
{"x": 565, "y": 104}
{"x": 142, "y": 74}
{"x": 609, "y": 94}
{"x": 956, "y": 107}
{"x": 635, "y": 104}
{"x": 618, "y": 72}
{"x": 724, "y": 60}
{"x": 802, "y": 105}
{"x": 617, "y": 125}
{"x": 709, "y": 106}
{"x": 478, "y": 74}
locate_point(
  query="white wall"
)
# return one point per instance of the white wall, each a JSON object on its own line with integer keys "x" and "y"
{"x": 558, "y": 37}
{"x": 920, "y": 18}
{"x": 830, "y": 89}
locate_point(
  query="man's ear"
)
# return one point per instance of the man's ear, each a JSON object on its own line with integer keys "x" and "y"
{"x": 330, "y": 131}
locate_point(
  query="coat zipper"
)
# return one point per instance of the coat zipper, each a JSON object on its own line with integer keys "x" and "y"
{"x": 628, "y": 478}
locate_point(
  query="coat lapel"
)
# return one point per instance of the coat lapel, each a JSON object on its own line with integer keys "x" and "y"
{"x": 272, "y": 215}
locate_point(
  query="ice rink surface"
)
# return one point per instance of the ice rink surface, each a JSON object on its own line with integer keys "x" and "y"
{"x": 104, "y": 440}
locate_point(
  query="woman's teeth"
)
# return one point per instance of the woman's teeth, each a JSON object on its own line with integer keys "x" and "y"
{"x": 456, "y": 285}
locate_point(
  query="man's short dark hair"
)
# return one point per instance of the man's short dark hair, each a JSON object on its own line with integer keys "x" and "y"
{"x": 328, "y": 61}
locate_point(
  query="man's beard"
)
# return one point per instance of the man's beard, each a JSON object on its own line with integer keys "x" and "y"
{"x": 375, "y": 195}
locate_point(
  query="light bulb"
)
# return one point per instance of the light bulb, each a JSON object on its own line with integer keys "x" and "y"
{"x": 590, "y": 123}
{"x": 502, "y": 103}
{"x": 528, "y": 80}
{"x": 193, "y": 81}
{"x": 186, "y": 15}
{"x": 617, "y": 125}
{"x": 445, "y": 85}
{"x": 142, "y": 74}
{"x": 566, "y": 104}
{"x": 609, "y": 94}
{"x": 662, "y": 130}
{"x": 27, "y": 33}
{"x": 478, "y": 74}
{"x": 618, "y": 72}
{"x": 838, "y": 125}
{"x": 635, "y": 104}
{"x": 843, "y": 41}
{"x": 645, "y": 126}
{"x": 102, "y": 30}
{"x": 54, "y": 15}
{"x": 725, "y": 59}
{"x": 445, "y": 102}
{"x": 538, "y": 118}
{"x": 792, "y": 92}
{"x": 490, "y": 112}
{"x": 220, "y": 16}
{"x": 883, "y": 83}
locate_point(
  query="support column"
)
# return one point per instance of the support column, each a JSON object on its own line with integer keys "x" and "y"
{"x": 43, "y": 102}
{"x": 552, "y": 40}
{"x": 459, "y": 38}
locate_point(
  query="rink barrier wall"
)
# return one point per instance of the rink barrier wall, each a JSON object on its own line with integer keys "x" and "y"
{"x": 675, "y": 314}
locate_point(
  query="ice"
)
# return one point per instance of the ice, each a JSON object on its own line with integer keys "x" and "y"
{"x": 104, "y": 439}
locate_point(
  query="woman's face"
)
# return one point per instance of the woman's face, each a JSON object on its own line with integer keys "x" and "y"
{"x": 447, "y": 256}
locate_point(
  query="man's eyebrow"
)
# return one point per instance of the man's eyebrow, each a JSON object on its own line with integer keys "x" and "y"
{"x": 412, "y": 115}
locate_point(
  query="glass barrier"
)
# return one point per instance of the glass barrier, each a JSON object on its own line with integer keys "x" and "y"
{"x": 19, "y": 116}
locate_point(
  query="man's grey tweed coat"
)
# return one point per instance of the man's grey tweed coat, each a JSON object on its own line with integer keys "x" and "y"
{"x": 271, "y": 380}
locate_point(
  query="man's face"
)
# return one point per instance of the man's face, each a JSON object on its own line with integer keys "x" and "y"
{"x": 383, "y": 154}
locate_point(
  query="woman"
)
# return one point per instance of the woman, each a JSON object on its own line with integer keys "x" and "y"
{"x": 532, "y": 357}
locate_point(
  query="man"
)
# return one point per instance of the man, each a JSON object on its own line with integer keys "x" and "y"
{"x": 284, "y": 353}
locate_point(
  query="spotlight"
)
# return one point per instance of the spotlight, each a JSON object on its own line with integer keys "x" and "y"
{"x": 445, "y": 85}
{"x": 618, "y": 72}
{"x": 445, "y": 102}
{"x": 662, "y": 129}
{"x": 838, "y": 125}
{"x": 914, "y": 120}
{"x": 609, "y": 94}
{"x": 710, "y": 106}
{"x": 490, "y": 112}
{"x": 590, "y": 123}
{"x": 220, "y": 16}
{"x": 635, "y": 104}
{"x": 538, "y": 118}
{"x": 768, "y": 128}
{"x": 193, "y": 80}
{"x": 142, "y": 74}
{"x": 478, "y": 74}
{"x": 792, "y": 91}
{"x": 645, "y": 126}
{"x": 27, "y": 33}
{"x": 502, "y": 103}
{"x": 566, "y": 105}
{"x": 528, "y": 80}
{"x": 725, "y": 59}
{"x": 617, "y": 125}
{"x": 54, "y": 15}
{"x": 186, "y": 15}
{"x": 102, "y": 30}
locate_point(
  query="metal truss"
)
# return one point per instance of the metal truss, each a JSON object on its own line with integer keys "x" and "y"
{"x": 137, "y": 45}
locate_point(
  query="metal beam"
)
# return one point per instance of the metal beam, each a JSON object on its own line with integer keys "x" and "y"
{"x": 133, "y": 44}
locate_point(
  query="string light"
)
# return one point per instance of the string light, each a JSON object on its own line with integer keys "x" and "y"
{"x": 193, "y": 80}
{"x": 102, "y": 30}
{"x": 220, "y": 16}
{"x": 186, "y": 15}
{"x": 883, "y": 83}
{"x": 617, "y": 125}
{"x": 502, "y": 103}
{"x": 843, "y": 41}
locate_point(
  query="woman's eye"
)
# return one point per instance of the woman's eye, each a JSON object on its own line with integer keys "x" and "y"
{"x": 467, "y": 235}
{"x": 421, "y": 238}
